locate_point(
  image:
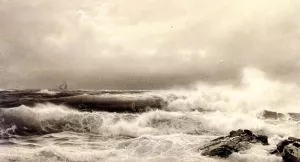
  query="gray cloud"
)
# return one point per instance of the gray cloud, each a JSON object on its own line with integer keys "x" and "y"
{"x": 147, "y": 44}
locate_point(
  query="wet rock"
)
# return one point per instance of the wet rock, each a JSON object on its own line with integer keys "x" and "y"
{"x": 289, "y": 149}
{"x": 236, "y": 141}
{"x": 291, "y": 152}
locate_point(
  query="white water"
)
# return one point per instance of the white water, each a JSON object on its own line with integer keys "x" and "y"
{"x": 46, "y": 91}
{"x": 193, "y": 117}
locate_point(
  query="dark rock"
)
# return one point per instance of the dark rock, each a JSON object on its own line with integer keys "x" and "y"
{"x": 236, "y": 141}
{"x": 294, "y": 139}
{"x": 282, "y": 144}
{"x": 263, "y": 139}
{"x": 236, "y": 133}
{"x": 248, "y": 132}
{"x": 222, "y": 151}
{"x": 289, "y": 149}
{"x": 291, "y": 153}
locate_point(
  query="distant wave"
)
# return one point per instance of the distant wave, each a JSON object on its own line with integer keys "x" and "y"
{"x": 45, "y": 119}
{"x": 46, "y": 91}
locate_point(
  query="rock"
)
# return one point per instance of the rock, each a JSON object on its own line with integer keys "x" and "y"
{"x": 236, "y": 141}
{"x": 294, "y": 139}
{"x": 291, "y": 152}
{"x": 289, "y": 149}
{"x": 263, "y": 139}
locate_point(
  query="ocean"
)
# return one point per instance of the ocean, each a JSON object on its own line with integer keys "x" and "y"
{"x": 175, "y": 132}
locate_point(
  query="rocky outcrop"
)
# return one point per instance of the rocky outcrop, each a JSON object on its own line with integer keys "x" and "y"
{"x": 236, "y": 141}
{"x": 289, "y": 149}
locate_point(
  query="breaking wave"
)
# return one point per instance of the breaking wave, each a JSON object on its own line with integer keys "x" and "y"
{"x": 190, "y": 118}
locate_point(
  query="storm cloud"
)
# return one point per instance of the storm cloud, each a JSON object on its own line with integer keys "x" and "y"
{"x": 149, "y": 44}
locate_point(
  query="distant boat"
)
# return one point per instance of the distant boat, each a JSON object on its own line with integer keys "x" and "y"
{"x": 64, "y": 86}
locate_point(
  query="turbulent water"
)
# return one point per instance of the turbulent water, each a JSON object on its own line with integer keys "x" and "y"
{"x": 174, "y": 133}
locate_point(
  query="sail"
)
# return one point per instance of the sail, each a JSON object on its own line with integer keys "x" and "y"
{"x": 64, "y": 86}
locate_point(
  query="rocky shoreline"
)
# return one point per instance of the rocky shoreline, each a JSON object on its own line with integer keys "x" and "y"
{"x": 241, "y": 140}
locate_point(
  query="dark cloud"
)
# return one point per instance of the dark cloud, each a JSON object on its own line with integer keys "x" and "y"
{"x": 145, "y": 44}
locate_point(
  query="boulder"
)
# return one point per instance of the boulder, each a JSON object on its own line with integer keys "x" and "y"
{"x": 289, "y": 149}
{"x": 236, "y": 141}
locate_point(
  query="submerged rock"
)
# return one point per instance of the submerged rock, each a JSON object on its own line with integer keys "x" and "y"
{"x": 236, "y": 141}
{"x": 289, "y": 149}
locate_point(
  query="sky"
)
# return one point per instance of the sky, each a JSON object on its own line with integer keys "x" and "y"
{"x": 149, "y": 44}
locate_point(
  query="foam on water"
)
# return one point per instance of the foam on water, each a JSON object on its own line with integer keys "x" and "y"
{"x": 50, "y": 119}
{"x": 175, "y": 147}
{"x": 46, "y": 91}
{"x": 174, "y": 133}
{"x": 256, "y": 92}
